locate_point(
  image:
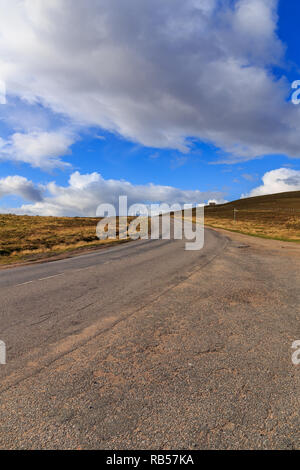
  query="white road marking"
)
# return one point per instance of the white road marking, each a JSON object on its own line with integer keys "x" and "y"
{"x": 23, "y": 283}
{"x": 50, "y": 277}
{"x": 92, "y": 266}
{"x": 41, "y": 279}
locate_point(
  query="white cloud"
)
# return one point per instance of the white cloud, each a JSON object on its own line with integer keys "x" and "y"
{"x": 216, "y": 201}
{"x": 155, "y": 72}
{"x": 277, "y": 181}
{"x": 256, "y": 17}
{"x": 85, "y": 192}
{"x": 20, "y": 186}
{"x": 40, "y": 149}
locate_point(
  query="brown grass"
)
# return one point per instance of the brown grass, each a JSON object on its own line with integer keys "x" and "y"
{"x": 274, "y": 216}
{"x": 26, "y": 238}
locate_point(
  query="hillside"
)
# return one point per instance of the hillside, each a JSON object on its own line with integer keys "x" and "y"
{"x": 272, "y": 216}
{"x": 27, "y": 238}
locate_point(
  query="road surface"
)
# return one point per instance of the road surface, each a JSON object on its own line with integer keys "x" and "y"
{"x": 148, "y": 346}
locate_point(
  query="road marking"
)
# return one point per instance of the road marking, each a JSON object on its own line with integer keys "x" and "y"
{"x": 91, "y": 266}
{"x": 41, "y": 279}
{"x": 23, "y": 283}
{"x": 50, "y": 277}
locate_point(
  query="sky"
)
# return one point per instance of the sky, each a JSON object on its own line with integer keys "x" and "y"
{"x": 162, "y": 101}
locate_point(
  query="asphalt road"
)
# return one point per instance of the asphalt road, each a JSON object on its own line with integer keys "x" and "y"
{"x": 148, "y": 346}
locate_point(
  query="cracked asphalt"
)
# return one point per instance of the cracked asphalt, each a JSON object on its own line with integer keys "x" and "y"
{"x": 148, "y": 346}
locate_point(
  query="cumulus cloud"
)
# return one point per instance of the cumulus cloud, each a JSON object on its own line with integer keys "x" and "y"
{"x": 85, "y": 192}
{"x": 20, "y": 186}
{"x": 216, "y": 201}
{"x": 38, "y": 148}
{"x": 155, "y": 72}
{"x": 277, "y": 181}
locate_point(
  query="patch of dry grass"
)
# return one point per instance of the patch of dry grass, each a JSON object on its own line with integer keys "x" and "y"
{"x": 274, "y": 216}
{"x": 26, "y": 238}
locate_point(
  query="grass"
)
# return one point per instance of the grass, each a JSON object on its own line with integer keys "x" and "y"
{"x": 27, "y": 238}
{"x": 275, "y": 216}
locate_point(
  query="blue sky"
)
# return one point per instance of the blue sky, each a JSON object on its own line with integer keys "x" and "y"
{"x": 71, "y": 112}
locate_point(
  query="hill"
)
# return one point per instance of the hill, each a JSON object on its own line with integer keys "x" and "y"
{"x": 271, "y": 216}
{"x": 27, "y": 238}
